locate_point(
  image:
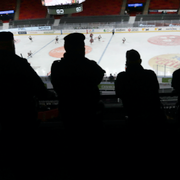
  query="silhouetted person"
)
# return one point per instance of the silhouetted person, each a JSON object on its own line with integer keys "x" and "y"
{"x": 20, "y": 88}
{"x": 175, "y": 83}
{"x": 138, "y": 90}
{"x": 111, "y": 78}
{"x": 75, "y": 79}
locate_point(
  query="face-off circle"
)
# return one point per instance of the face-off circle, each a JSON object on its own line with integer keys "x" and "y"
{"x": 170, "y": 62}
{"x": 165, "y": 40}
{"x": 59, "y": 52}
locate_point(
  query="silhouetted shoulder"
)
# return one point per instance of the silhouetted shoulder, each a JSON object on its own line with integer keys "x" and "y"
{"x": 21, "y": 64}
{"x": 56, "y": 62}
{"x": 149, "y": 71}
{"x": 150, "y": 74}
{"x": 14, "y": 62}
{"x": 55, "y": 65}
{"x": 90, "y": 61}
{"x": 94, "y": 64}
{"x": 175, "y": 83}
{"x": 120, "y": 83}
{"x": 176, "y": 74}
{"x": 21, "y": 60}
{"x": 121, "y": 75}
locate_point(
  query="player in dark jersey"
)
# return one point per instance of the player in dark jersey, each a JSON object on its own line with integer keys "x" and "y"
{"x": 91, "y": 40}
{"x": 91, "y": 35}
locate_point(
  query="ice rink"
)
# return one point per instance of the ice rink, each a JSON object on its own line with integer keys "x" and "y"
{"x": 160, "y": 51}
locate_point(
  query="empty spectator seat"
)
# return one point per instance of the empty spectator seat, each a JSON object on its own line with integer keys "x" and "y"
{"x": 100, "y": 8}
{"x": 48, "y": 115}
{"x": 32, "y": 10}
{"x": 135, "y": 1}
{"x": 93, "y": 19}
{"x": 58, "y": 16}
{"x": 164, "y": 4}
{"x": 8, "y": 5}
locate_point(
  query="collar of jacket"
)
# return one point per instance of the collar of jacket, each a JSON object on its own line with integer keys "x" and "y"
{"x": 134, "y": 68}
{"x": 73, "y": 56}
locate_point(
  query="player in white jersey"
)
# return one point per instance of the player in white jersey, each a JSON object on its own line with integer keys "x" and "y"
{"x": 124, "y": 39}
{"x": 30, "y": 38}
{"x": 56, "y": 40}
{"x": 99, "y": 37}
{"x": 29, "y": 54}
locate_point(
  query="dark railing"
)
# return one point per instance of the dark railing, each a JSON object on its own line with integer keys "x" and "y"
{"x": 31, "y": 22}
{"x": 93, "y": 19}
{"x": 167, "y": 99}
{"x": 156, "y": 17}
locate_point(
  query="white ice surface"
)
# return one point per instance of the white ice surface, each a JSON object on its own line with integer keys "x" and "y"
{"x": 109, "y": 52}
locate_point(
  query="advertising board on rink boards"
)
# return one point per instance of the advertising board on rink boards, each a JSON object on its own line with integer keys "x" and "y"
{"x": 94, "y": 31}
{"x": 124, "y": 30}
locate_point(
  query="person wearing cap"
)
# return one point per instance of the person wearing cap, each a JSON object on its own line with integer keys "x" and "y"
{"x": 75, "y": 79}
{"x": 138, "y": 89}
{"x": 20, "y": 87}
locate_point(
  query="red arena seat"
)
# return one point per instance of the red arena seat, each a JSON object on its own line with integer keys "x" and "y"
{"x": 100, "y": 8}
{"x": 32, "y": 10}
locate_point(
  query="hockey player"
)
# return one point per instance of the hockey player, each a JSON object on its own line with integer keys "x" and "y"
{"x": 29, "y": 54}
{"x": 123, "y": 40}
{"x": 99, "y": 37}
{"x": 91, "y": 35}
{"x": 113, "y": 32}
{"x": 30, "y": 38}
{"x": 56, "y": 40}
{"x": 91, "y": 40}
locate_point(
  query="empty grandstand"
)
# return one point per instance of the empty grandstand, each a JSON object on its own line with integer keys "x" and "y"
{"x": 150, "y": 26}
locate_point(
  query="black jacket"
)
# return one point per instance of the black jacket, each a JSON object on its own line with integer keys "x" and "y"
{"x": 20, "y": 84}
{"x": 76, "y": 80}
{"x": 138, "y": 89}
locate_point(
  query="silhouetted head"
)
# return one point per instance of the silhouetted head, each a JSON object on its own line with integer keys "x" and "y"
{"x": 7, "y": 41}
{"x": 133, "y": 57}
{"x": 74, "y": 43}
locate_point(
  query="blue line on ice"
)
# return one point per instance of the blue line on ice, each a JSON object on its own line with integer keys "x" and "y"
{"x": 42, "y": 48}
{"x": 105, "y": 50}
